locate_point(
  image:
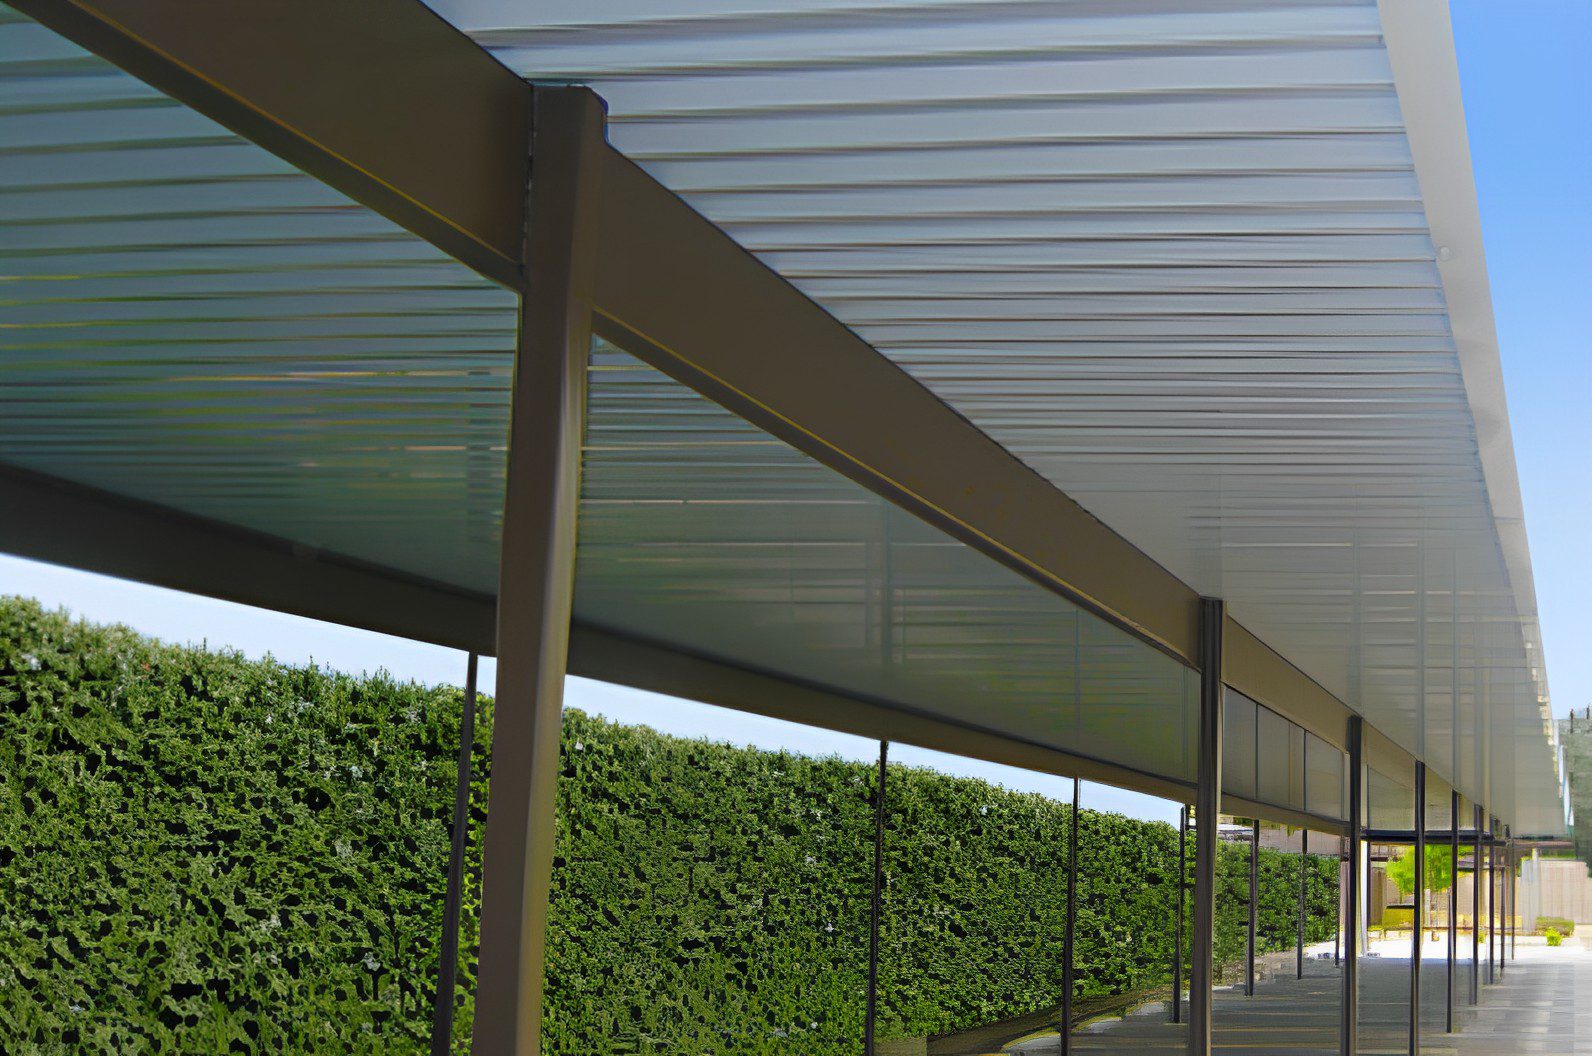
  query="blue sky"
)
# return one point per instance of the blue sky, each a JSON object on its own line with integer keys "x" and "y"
{"x": 1528, "y": 104}
{"x": 1528, "y": 98}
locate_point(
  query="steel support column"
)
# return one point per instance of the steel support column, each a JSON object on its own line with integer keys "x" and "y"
{"x": 1177, "y": 933}
{"x": 1475, "y": 905}
{"x": 1349, "y": 1041}
{"x": 1418, "y": 917}
{"x": 1254, "y": 907}
{"x": 876, "y": 905}
{"x": 1492, "y": 900}
{"x": 1304, "y": 879}
{"x": 1067, "y": 964}
{"x": 536, "y": 579}
{"x": 1453, "y": 905}
{"x": 448, "y": 955}
{"x": 1514, "y": 890}
{"x": 1207, "y": 808}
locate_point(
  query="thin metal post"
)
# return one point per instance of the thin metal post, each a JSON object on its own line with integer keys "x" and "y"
{"x": 1475, "y": 908}
{"x": 1072, "y": 925}
{"x": 448, "y": 957}
{"x": 1453, "y": 904}
{"x": 1503, "y": 907}
{"x": 1492, "y": 901}
{"x": 1304, "y": 880}
{"x": 1514, "y": 892}
{"x": 536, "y": 578}
{"x": 1417, "y": 916}
{"x": 1254, "y": 906}
{"x": 1348, "y": 1038}
{"x": 876, "y": 905}
{"x": 1207, "y": 807}
{"x": 1177, "y": 931}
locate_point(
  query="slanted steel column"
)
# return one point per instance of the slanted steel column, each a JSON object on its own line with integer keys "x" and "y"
{"x": 1177, "y": 933}
{"x": 536, "y": 579}
{"x": 1453, "y": 904}
{"x": 1254, "y": 907}
{"x": 1207, "y": 808}
{"x": 448, "y": 956}
{"x": 1418, "y": 917}
{"x": 1349, "y": 1042}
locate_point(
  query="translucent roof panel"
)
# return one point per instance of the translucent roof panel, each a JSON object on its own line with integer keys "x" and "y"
{"x": 702, "y": 533}
{"x": 1176, "y": 255}
{"x": 191, "y": 321}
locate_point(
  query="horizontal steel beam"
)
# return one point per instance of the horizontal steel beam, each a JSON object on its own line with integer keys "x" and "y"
{"x": 381, "y": 99}
{"x": 52, "y": 520}
{"x": 1442, "y": 835}
{"x": 86, "y": 528}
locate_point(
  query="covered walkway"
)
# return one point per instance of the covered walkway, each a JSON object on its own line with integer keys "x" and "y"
{"x": 1536, "y": 1006}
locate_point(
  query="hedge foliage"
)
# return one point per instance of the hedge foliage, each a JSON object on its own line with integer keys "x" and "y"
{"x": 201, "y": 853}
{"x": 204, "y": 853}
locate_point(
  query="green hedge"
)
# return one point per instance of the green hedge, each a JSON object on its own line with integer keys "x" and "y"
{"x": 200, "y": 852}
{"x": 205, "y": 854}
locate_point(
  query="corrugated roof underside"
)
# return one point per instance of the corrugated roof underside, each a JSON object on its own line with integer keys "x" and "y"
{"x": 1172, "y": 254}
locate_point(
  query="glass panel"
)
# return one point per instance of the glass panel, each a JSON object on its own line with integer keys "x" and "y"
{"x": 1238, "y": 744}
{"x": 1384, "y": 971}
{"x": 1325, "y": 793}
{"x": 973, "y": 923}
{"x": 701, "y": 532}
{"x": 1274, "y": 778}
{"x": 712, "y": 886}
{"x": 1129, "y": 931}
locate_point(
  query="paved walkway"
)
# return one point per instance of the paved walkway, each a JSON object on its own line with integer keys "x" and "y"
{"x": 1540, "y": 1006}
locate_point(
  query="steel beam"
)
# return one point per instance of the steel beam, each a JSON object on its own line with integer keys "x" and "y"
{"x": 537, "y": 575}
{"x": 381, "y": 99}
{"x": 53, "y": 520}
{"x": 1207, "y": 807}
